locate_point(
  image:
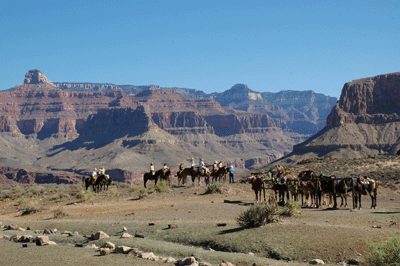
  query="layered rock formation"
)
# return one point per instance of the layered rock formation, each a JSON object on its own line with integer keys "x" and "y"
{"x": 79, "y": 126}
{"x": 365, "y": 121}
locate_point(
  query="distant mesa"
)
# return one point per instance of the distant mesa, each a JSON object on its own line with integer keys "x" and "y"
{"x": 35, "y": 76}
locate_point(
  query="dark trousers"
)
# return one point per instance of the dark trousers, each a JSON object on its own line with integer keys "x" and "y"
{"x": 231, "y": 179}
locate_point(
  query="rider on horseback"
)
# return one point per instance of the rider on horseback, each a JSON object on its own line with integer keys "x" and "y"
{"x": 152, "y": 171}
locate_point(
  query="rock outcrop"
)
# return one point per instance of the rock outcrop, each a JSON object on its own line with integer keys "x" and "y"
{"x": 364, "y": 122}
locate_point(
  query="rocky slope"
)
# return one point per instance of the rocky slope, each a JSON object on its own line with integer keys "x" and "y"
{"x": 45, "y": 128}
{"x": 364, "y": 122}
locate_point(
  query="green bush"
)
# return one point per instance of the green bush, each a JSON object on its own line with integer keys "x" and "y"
{"x": 257, "y": 215}
{"x": 161, "y": 187}
{"x": 113, "y": 191}
{"x": 85, "y": 195}
{"x": 214, "y": 188}
{"x": 143, "y": 192}
{"x": 135, "y": 187}
{"x": 291, "y": 208}
{"x": 385, "y": 253}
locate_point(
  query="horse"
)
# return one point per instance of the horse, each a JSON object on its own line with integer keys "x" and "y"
{"x": 258, "y": 186}
{"x": 196, "y": 172}
{"x": 364, "y": 186}
{"x": 150, "y": 176}
{"x": 293, "y": 187}
{"x": 182, "y": 175}
{"x": 309, "y": 187}
{"x": 343, "y": 186}
{"x": 220, "y": 173}
{"x": 166, "y": 176}
{"x": 100, "y": 182}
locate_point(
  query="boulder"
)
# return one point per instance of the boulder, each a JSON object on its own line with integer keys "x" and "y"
{"x": 126, "y": 235}
{"x": 147, "y": 255}
{"x": 122, "y": 249}
{"x": 41, "y": 240}
{"x": 99, "y": 235}
{"x": 226, "y": 264}
{"x": 104, "y": 251}
{"x": 170, "y": 260}
{"x": 108, "y": 245}
{"x": 317, "y": 261}
{"x": 91, "y": 246}
{"x": 187, "y": 261}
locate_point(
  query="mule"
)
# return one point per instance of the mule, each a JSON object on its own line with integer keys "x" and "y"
{"x": 364, "y": 186}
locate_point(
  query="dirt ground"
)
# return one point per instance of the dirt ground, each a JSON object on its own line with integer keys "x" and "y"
{"x": 335, "y": 236}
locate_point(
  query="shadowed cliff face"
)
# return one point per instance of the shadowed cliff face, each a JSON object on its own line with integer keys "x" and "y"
{"x": 364, "y": 122}
{"x": 369, "y": 100}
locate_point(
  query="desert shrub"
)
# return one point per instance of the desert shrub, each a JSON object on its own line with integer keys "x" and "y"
{"x": 31, "y": 207}
{"x": 385, "y": 253}
{"x": 121, "y": 184}
{"x": 85, "y": 195}
{"x": 256, "y": 215}
{"x": 59, "y": 213}
{"x": 291, "y": 208}
{"x": 23, "y": 201}
{"x": 143, "y": 192}
{"x": 135, "y": 187}
{"x": 18, "y": 189}
{"x": 161, "y": 187}
{"x": 213, "y": 188}
{"x": 113, "y": 191}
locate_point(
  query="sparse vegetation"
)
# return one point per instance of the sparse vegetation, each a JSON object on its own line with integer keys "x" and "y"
{"x": 161, "y": 187}
{"x": 143, "y": 192}
{"x": 113, "y": 191}
{"x": 385, "y": 253}
{"x": 135, "y": 187}
{"x": 256, "y": 215}
{"x": 31, "y": 207}
{"x": 291, "y": 208}
{"x": 214, "y": 188}
{"x": 59, "y": 213}
{"x": 85, "y": 195}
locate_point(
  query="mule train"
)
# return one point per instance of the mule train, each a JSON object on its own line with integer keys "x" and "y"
{"x": 314, "y": 190}
{"x": 209, "y": 176}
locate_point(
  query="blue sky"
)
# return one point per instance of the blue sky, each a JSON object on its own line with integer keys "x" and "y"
{"x": 205, "y": 45}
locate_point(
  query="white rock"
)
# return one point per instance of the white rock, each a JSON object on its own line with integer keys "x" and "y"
{"x": 126, "y": 235}
{"x": 108, "y": 245}
{"x": 99, "y": 235}
{"x": 317, "y": 261}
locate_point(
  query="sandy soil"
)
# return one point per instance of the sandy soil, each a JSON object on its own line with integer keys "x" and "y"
{"x": 335, "y": 236}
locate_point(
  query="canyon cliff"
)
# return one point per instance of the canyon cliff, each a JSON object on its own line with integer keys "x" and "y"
{"x": 79, "y": 126}
{"x": 364, "y": 122}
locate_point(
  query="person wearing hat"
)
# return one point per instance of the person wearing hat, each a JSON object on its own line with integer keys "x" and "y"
{"x": 202, "y": 166}
{"x": 215, "y": 167}
{"x": 192, "y": 163}
{"x": 102, "y": 171}
{"x": 94, "y": 173}
{"x": 152, "y": 171}
{"x": 231, "y": 172}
